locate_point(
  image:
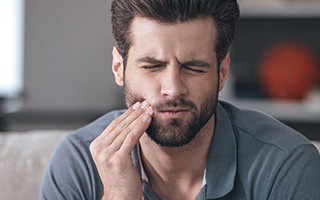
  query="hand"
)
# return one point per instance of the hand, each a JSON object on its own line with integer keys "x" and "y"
{"x": 111, "y": 152}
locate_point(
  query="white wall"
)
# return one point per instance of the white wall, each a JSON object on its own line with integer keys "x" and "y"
{"x": 68, "y": 46}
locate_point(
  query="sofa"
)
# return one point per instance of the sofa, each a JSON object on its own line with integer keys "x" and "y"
{"x": 23, "y": 159}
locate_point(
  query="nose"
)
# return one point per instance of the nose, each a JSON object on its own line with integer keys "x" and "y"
{"x": 173, "y": 83}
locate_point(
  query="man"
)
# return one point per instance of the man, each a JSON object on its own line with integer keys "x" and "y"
{"x": 176, "y": 140}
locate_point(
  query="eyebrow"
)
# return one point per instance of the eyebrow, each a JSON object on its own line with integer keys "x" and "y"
{"x": 197, "y": 63}
{"x": 152, "y": 60}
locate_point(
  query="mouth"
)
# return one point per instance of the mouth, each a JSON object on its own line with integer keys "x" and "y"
{"x": 174, "y": 113}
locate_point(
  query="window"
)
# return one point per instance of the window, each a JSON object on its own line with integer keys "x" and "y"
{"x": 11, "y": 47}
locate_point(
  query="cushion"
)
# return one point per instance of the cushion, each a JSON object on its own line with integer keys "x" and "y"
{"x": 317, "y": 144}
{"x": 23, "y": 159}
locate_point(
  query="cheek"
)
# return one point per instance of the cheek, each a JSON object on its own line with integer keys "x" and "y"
{"x": 143, "y": 87}
{"x": 203, "y": 89}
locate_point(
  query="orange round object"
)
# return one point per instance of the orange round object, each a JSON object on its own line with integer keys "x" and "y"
{"x": 288, "y": 70}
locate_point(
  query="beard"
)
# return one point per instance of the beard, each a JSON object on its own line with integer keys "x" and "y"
{"x": 176, "y": 132}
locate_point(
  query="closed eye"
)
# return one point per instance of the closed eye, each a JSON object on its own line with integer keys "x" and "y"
{"x": 197, "y": 66}
{"x": 151, "y": 66}
{"x": 194, "y": 69}
{"x": 150, "y": 63}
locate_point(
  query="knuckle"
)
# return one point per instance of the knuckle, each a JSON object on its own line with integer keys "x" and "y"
{"x": 115, "y": 162}
{"x": 99, "y": 151}
{"x": 131, "y": 138}
{"x": 94, "y": 147}
{"x": 119, "y": 125}
{"x": 140, "y": 126}
{"x": 115, "y": 122}
{"x": 104, "y": 156}
{"x": 127, "y": 131}
{"x": 123, "y": 126}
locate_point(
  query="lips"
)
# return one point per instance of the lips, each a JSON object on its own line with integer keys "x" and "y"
{"x": 174, "y": 113}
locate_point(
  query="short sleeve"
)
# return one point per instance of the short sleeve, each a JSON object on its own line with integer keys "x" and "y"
{"x": 71, "y": 173}
{"x": 298, "y": 177}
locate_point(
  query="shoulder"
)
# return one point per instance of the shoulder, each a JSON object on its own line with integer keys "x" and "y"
{"x": 75, "y": 146}
{"x": 82, "y": 137}
{"x": 71, "y": 165}
{"x": 264, "y": 129}
{"x": 95, "y": 128}
{"x": 273, "y": 156}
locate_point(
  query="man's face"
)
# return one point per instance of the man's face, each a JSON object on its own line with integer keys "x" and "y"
{"x": 173, "y": 67}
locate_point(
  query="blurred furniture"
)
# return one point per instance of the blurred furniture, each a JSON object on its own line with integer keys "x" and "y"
{"x": 23, "y": 159}
{"x": 263, "y": 24}
{"x": 8, "y": 105}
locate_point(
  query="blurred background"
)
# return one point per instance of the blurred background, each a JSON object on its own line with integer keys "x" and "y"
{"x": 65, "y": 65}
{"x": 55, "y": 66}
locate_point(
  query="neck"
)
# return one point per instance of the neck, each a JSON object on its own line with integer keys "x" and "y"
{"x": 170, "y": 167}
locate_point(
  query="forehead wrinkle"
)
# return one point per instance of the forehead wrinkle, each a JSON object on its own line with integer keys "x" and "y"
{"x": 167, "y": 54}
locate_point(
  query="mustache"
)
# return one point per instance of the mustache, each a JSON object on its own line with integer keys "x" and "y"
{"x": 180, "y": 103}
{"x": 130, "y": 99}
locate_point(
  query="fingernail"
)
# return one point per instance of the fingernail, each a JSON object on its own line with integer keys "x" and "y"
{"x": 149, "y": 111}
{"x": 146, "y": 118}
{"x": 144, "y": 104}
{"x": 136, "y": 105}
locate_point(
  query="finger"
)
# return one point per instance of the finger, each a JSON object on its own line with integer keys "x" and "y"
{"x": 139, "y": 129}
{"x": 108, "y": 135}
{"x": 115, "y": 123}
{"x": 134, "y": 127}
{"x": 116, "y": 126}
{"x": 123, "y": 125}
{"x": 105, "y": 142}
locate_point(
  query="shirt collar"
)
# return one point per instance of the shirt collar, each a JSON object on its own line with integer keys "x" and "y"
{"x": 144, "y": 176}
{"x": 222, "y": 157}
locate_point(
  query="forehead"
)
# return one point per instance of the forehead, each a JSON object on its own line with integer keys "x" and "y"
{"x": 188, "y": 39}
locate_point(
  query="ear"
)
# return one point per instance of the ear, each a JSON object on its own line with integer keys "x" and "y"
{"x": 224, "y": 71}
{"x": 117, "y": 66}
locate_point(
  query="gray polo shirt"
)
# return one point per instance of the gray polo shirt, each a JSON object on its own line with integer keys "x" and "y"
{"x": 252, "y": 156}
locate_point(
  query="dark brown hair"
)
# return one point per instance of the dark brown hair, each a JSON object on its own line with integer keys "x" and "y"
{"x": 224, "y": 12}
